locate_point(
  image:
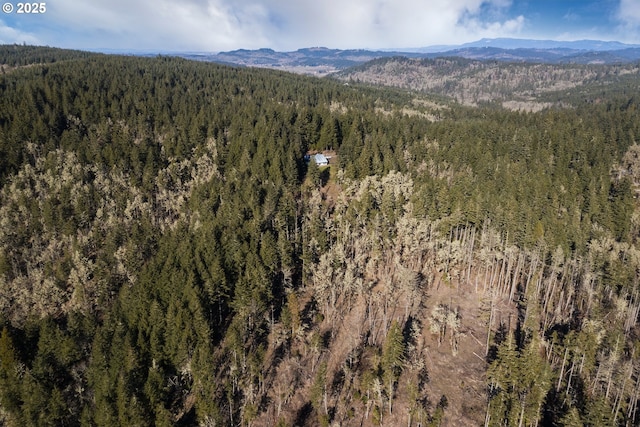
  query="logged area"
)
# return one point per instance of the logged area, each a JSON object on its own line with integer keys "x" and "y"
{"x": 173, "y": 252}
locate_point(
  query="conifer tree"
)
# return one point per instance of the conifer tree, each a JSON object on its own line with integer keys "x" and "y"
{"x": 392, "y": 360}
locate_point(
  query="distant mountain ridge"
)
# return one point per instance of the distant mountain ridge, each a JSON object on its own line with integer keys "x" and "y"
{"x": 323, "y": 61}
{"x": 510, "y": 43}
{"x": 513, "y": 43}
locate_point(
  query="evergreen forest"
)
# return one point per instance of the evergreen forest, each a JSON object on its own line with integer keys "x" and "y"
{"x": 169, "y": 258}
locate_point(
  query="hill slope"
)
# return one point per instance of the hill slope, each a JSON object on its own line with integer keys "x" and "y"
{"x": 167, "y": 257}
{"x": 517, "y": 85}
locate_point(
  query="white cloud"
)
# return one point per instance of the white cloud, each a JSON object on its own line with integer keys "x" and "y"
{"x": 10, "y": 35}
{"x": 159, "y": 24}
{"x": 497, "y": 29}
{"x": 629, "y": 12}
{"x": 628, "y": 15}
{"x": 382, "y": 23}
{"x": 212, "y": 25}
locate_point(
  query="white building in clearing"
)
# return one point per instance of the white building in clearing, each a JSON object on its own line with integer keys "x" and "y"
{"x": 320, "y": 159}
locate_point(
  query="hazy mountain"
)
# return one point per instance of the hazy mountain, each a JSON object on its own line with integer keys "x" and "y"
{"x": 323, "y": 61}
{"x": 510, "y": 43}
{"x": 314, "y": 60}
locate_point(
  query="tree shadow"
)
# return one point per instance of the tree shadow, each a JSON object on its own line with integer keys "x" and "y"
{"x": 303, "y": 414}
{"x": 499, "y": 337}
{"x": 325, "y": 174}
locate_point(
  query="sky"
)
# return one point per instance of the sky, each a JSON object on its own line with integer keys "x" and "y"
{"x": 285, "y": 25}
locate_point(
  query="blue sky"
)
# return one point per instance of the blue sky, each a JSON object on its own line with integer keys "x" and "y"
{"x": 218, "y": 25}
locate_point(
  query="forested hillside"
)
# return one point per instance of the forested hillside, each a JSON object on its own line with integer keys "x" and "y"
{"x": 167, "y": 257}
{"x": 516, "y": 85}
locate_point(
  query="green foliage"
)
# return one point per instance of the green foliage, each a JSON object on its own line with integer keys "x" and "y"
{"x": 10, "y": 388}
{"x": 22, "y": 55}
{"x": 393, "y": 352}
{"x": 40, "y": 379}
{"x": 519, "y": 382}
{"x": 319, "y": 392}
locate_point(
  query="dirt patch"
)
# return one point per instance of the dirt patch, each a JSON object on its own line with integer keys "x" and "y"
{"x": 459, "y": 376}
